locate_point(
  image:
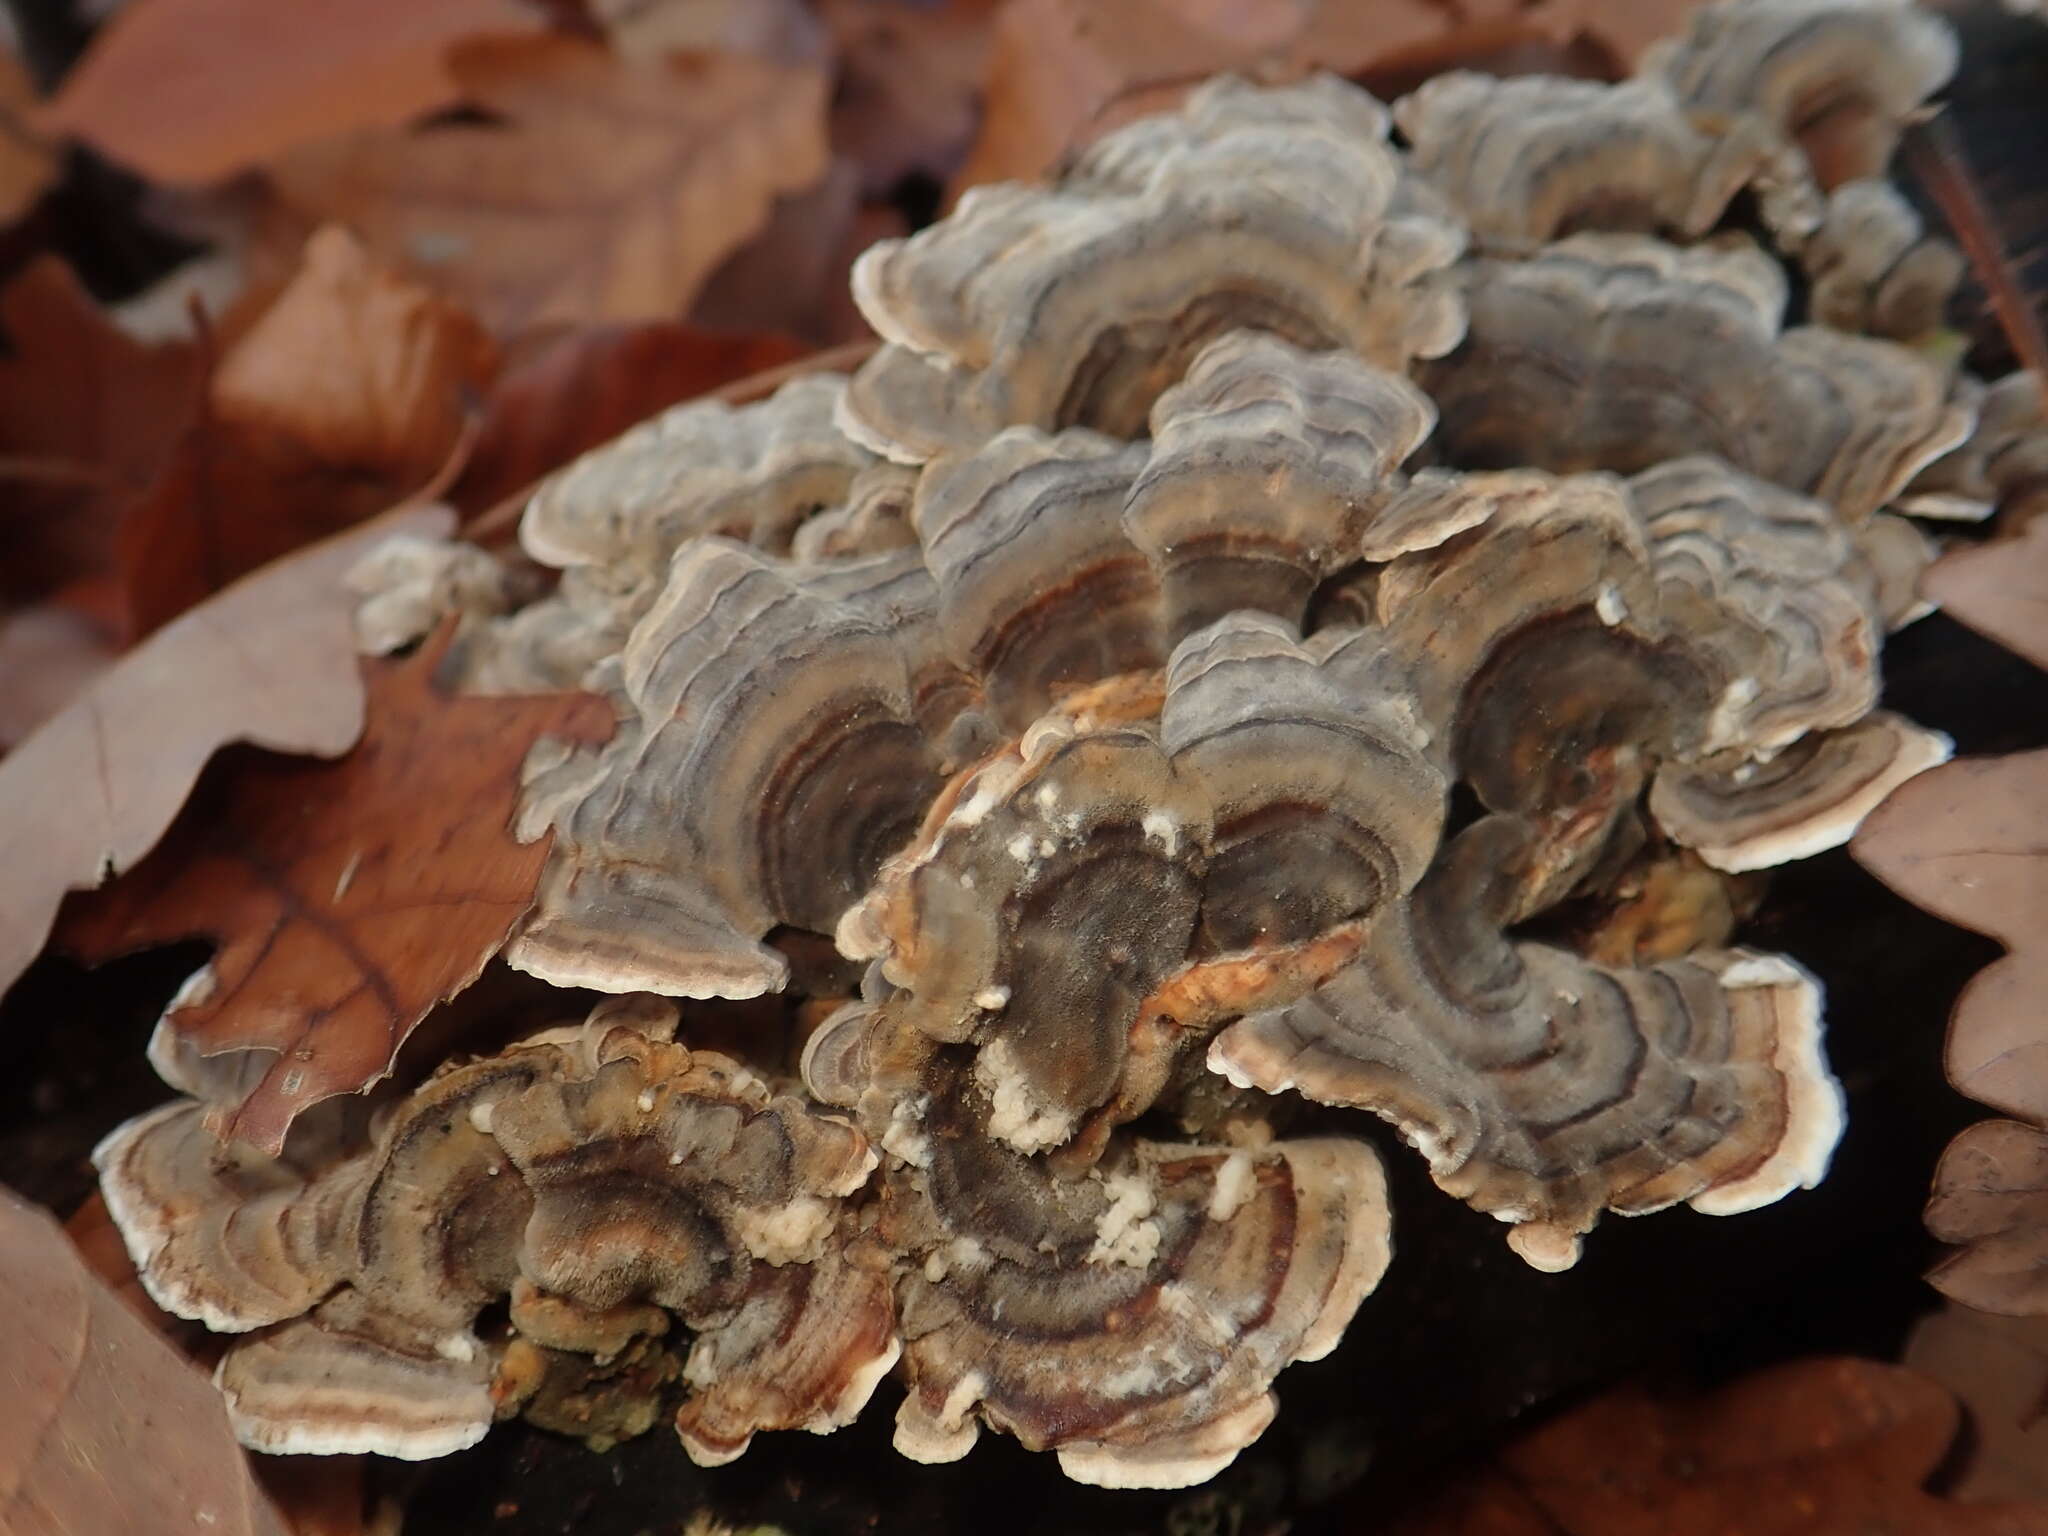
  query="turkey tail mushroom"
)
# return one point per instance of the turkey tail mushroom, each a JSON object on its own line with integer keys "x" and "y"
{"x": 1076, "y": 305}
{"x": 1543, "y": 1088}
{"x": 1619, "y": 352}
{"x": 601, "y": 1177}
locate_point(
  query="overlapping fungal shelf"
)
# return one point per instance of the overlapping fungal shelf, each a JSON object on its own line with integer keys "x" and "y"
{"x": 1089, "y": 677}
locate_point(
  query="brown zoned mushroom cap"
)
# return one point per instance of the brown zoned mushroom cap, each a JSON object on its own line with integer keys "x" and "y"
{"x": 587, "y": 1174}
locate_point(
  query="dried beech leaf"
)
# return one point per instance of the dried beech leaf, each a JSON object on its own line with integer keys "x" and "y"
{"x": 573, "y": 391}
{"x": 1818, "y": 1446}
{"x": 1998, "y": 1366}
{"x": 268, "y": 661}
{"x": 601, "y": 190}
{"x": 27, "y": 164}
{"x": 196, "y": 90}
{"x": 1969, "y": 843}
{"x": 1999, "y": 589}
{"x": 87, "y": 418}
{"x": 349, "y": 896}
{"x": 1991, "y": 1196}
{"x": 287, "y": 450}
{"x": 106, "y": 1428}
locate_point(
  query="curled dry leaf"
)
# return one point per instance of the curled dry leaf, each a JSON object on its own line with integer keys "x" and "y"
{"x": 188, "y": 91}
{"x": 1818, "y": 1446}
{"x": 268, "y": 661}
{"x": 602, "y": 189}
{"x": 349, "y": 896}
{"x": 106, "y": 1428}
{"x": 1991, "y": 1197}
{"x": 1998, "y": 1366}
{"x": 1969, "y": 843}
{"x": 283, "y": 453}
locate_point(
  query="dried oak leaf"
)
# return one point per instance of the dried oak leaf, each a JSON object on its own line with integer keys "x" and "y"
{"x": 1991, "y": 1198}
{"x": 350, "y": 393}
{"x": 1968, "y": 842}
{"x": 106, "y": 1428}
{"x": 1062, "y": 73}
{"x": 348, "y": 896}
{"x": 1999, "y": 589}
{"x": 1998, "y": 1366}
{"x": 563, "y": 393}
{"x": 195, "y": 90}
{"x": 268, "y": 661}
{"x": 87, "y": 418}
{"x": 1839, "y": 1447}
{"x": 601, "y": 189}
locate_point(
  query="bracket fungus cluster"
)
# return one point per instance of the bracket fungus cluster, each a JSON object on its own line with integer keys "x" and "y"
{"x": 1260, "y": 582}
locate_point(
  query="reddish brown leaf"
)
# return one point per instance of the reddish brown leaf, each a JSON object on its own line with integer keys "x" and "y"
{"x": 106, "y": 1428}
{"x": 348, "y": 897}
{"x": 1991, "y": 1196}
{"x": 195, "y": 90}
{"x": 603, "y": 189}
{"x": 1998, "y": 1366}
{"x": 348, "y": 395}
{"x": 573, "y": 390}
{"x": 87, "y": 419}
{"x": 1969, "y": 843}
{"x": 1815, "y": 1448}
{"x": 270, "y": 660}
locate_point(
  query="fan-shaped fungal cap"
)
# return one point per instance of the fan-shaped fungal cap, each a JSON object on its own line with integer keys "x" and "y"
{"x": 750, "y": 472}
{"x": 1267, "y": 465}
{"x": 1841, "y": 78}
{"x": 1201, "y": 1273}
{"x": 2003, "y": 465}
{"x": 408, "y": 584}
{"x": 1533, "y": 158}
{"x": 217, "y": 1233}
{"x": 1076, "y": 305}
{"x": 1771, "y": 582}
{"x": 1619, "y": 352}
{"x": 1873, "y": 268}
{"x": 1738, "y": 813}
{"x": 594, "y": 1172}
{"x": 1544, "y": 1088}
{"x": 1039, "y": 586}
{"x": 770, "y": 756}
